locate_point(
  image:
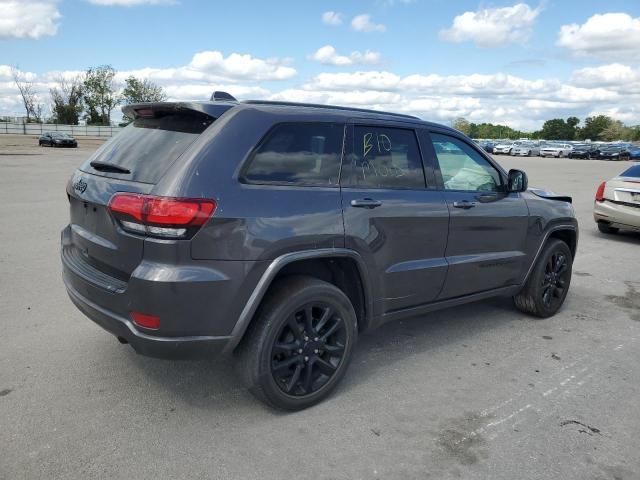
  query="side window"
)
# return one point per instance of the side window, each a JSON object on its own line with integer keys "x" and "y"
{"x": 383, "y": 157}
{"x": 462, "y": 167}
{"x": 298, "y": 154}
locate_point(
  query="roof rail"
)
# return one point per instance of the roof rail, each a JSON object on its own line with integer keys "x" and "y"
{"x": 219, "y": 96}
{"x": 329, "y": 107}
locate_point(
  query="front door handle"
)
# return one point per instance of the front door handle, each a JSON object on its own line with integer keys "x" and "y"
{"x": 366, "y": 203}
{"x": 464, "y": 204}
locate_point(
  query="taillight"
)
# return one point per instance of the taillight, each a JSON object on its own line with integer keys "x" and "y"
{"x": 600, "y": 192}
{"x": 145, "y": 320}
{"x": 163, "y": 217}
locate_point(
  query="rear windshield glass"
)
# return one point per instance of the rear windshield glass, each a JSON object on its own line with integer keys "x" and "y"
{"x": 632, "y": 172}
{"x": 148, "y": 146}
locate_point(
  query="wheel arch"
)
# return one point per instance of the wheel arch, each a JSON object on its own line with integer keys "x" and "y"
{"x": 566, "y": 233}
{"x": 342, "y": 267}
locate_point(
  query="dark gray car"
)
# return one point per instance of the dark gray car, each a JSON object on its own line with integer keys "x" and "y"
{"x": 280, "y": 232}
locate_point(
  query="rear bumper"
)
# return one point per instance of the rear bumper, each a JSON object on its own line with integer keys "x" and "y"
{"x": 142, "y": 343}
{"x": 618, "y": 216}
{"x": 198, "y": 301}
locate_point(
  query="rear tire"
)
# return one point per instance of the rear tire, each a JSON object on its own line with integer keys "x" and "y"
{"x": 299, "y": 345}
{"x": 547, "y": 286}
{"x": 606, "y": 228}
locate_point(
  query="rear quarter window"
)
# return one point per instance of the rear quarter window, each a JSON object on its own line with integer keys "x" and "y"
{"x": 148, "y": 146}
{"x": 632, "y": 172}
{"x": 297, "y": 154}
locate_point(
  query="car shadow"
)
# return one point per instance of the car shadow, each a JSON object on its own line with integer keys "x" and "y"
{"x": 213, "y": 384}
{"x": 623, "y": 236}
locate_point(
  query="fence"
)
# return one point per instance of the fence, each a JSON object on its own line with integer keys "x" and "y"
{"x": 75, "y": 130}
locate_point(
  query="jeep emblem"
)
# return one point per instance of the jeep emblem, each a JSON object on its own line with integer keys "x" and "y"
{"x": 80, "y": 186}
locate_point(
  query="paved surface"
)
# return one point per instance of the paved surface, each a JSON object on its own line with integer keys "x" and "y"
{"x": 474, "y": 392}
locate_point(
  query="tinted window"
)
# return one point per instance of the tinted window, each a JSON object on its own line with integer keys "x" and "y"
{"x": 383, "y": 158}
{"x": 300, "y": 153}
{"x": 632, "y": 172}
{"x": 462, "y": 167}
{"x": 148, "y": 146}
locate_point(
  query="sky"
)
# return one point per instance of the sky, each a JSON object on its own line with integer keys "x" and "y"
{"x": 509, "y": 62}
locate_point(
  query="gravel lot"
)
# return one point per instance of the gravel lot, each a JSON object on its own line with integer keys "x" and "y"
{"x": 474, "y": 392}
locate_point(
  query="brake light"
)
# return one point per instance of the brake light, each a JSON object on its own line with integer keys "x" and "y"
{"x": 600, "y": 192}
{"x": 164, "y": 217}
{"x": 145, "y": 320}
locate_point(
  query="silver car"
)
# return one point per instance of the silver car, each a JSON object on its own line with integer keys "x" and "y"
{"x": 526, "y": 150}
{"x": 556, "y": 150}
{"x": 617, "y": 203}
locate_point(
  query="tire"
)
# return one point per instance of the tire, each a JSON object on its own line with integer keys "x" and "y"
{"x": 544, "y": 294}
{"x": 278, "y": 375}
{"x": 605, "y": 228}
{"x": 529, "y": 153}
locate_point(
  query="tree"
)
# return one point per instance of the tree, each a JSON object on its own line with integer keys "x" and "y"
{"x": 67, "y": 100}
{"x": 559, "y": 129}
{"x": 137, "y": 91}
{"x": 615, "y": 131}
{"x": 594, "y": 126}
{"x": 28, "y": 94}
{"x": 462, "y": 125}
{"x": 100, "y": 95}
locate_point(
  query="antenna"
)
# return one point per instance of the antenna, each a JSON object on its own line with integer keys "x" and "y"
{"x": 222, "y": 96}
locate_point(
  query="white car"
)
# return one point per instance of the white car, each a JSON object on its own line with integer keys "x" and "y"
{"x": 617, "y": 204}
{"x": 526, "y": 150}
{"x": 556, "y": 150}
{"x": 504, "y": 148}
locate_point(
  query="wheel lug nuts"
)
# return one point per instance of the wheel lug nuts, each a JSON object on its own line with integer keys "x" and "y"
{"x": 315, "y": 339}
{"x": 306, "y": 339}
{"x": 299, "y": 350}
{"x": 306, "y": 359}
{"x": 315, "y": 351}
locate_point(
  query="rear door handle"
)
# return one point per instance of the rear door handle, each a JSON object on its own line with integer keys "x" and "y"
{"x": 366, "y": 203}
{"x": 465, "y": 204}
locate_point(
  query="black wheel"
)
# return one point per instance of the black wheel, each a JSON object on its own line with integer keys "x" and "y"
{"x": 606, "y": 228}
{"x": 548, "y": 284}
{"x": 299, "y": 345}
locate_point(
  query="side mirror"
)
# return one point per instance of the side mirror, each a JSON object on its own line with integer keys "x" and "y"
{"x": 517, "y": 182}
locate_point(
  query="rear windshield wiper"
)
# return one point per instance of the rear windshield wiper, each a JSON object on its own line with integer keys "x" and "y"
{"x": 109, "y": 167}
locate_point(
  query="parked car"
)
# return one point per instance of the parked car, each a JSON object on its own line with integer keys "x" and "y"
{"x": 57, "y": 139}
{"x": 487, "y": 146}
{"x": 281, "y": 231}
{"x": 634, "y": 152}
{"x": 584, "y": 150}
{"x": 615, "y": 152}
{"x": 505, "y": 148}
{"x": 526, "y": 149}
{"x": 617, "y": 202}
{"x": 556, "y": 150}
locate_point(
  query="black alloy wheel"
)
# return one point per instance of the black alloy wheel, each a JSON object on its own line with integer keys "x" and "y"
{"x": 555, "y": 279}
{"x": 308, "y": 349}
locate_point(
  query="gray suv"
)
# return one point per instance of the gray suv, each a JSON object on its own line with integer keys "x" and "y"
{"x": 280, "y": 232}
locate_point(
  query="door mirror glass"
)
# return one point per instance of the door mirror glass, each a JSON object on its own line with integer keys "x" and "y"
{"x": 517, "y": 181}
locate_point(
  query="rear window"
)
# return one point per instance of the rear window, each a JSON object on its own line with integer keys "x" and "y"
{"x": 632, "y": 172}
{"x": 148, "y": 146}
{"x": 298, "y": 154}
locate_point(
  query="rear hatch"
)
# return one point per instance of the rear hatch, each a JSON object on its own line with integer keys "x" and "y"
{"x": 133, "y": 161}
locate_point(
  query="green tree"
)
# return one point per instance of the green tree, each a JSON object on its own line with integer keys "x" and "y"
{"x": 559, "y": 129}
{"x": 462, "y": 125}
{"x": 137, "y": 91}
{"x": 66, "y": 98}
{"x": 594, "y": 126}
{"x": 100, "y": 95}
{"x": 615, "y": 131}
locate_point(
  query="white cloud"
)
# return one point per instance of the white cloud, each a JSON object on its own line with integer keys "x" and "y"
{"x": 610, "y": 35}
{"x": 523, "y": 103}
{"x": 328, "y": 55}
{"x": 493, "y": 27}
{"x": 332, "y": 18}
{"x": 28, "y": 18}
{"x": 130, "y": 3}
{"x": 363, "y": 23}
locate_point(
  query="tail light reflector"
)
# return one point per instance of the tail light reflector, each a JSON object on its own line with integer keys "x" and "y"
{"x": 145, "y": 320}
{"x": 600, "y": 192}
{"x": 164, "y": 217}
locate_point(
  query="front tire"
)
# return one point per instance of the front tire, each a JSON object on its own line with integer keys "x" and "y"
{"x": 299, "y": 345}
{"x": 605, "y": 228}
{"x": 547, "y": 286}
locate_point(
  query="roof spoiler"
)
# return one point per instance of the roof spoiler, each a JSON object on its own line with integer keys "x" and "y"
{"x": 152, "y": 109}
{"x": 219, "y": 96}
